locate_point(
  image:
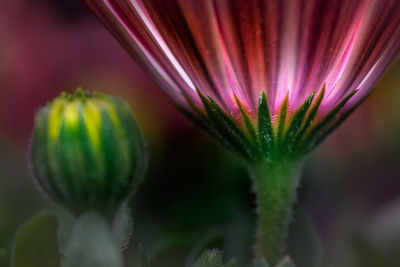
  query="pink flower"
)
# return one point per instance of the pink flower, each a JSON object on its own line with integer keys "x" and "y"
{"x": 224, "y": 53}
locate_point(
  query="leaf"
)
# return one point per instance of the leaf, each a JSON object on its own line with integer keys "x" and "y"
{"x": 122, "y": 226}
{"x": 92, "y": 244}
{"x": 304, "y": 245}
{"x": 36, "y": 243}
{"x": 286, "y": 262}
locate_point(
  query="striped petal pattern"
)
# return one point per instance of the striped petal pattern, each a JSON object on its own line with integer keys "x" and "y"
{"x": 232, "y": 51}
{"x": 86, "y": 150}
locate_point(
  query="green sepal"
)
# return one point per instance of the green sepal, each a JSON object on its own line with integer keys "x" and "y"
{"x": 227, "y": 130}
{"x": 200, "y": 120}
{"x": 265, "y": 129}
{"x": 196, "y": 120}
{"x": 247, "y": 121}
{"x": 322, "y": 127}
{"x": 236, "y": 132}
{"x": 311, "y": 116}
{"x": 338, "y": 121}
{"x": 294, "y": 126}
{"x": 282, "y": 119}
{"x": 212, "y": 125}
{"x": 292, "y": 136}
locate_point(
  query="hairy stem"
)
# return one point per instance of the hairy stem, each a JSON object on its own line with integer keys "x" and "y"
{"x": 275, "y": 186}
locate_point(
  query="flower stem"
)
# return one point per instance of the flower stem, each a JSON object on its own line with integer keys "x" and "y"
{"x": 275, "y": 186}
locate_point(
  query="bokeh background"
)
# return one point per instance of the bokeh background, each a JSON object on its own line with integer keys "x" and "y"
{"x": 196, "y": 195}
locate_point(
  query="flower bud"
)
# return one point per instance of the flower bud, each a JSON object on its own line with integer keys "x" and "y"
{"x": 87, "y": 151}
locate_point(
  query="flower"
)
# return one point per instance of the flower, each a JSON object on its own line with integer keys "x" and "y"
{"x": 87, "y": 150}
{"x": 269, "y": 79}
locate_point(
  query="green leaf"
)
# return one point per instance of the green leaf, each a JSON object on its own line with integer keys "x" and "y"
{"x": 286, "y": 262}
{"x": 36, "y": 243}
{"x": 304, "y": 245}
{"x": 265, "y": 130}
{"x": 92, "y": 244}
{"x": 123, "y": 224}
{"x": 260, "y": 263}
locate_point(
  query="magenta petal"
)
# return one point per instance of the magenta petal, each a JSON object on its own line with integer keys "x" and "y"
{"x": 228, "y": 48}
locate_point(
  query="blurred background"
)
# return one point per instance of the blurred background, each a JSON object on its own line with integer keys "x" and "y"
{"x": 196, "y": 194}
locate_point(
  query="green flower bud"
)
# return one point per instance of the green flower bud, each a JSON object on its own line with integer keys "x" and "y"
{"x": 87, "y": 151}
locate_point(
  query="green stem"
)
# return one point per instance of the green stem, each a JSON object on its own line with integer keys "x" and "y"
{"x": 275, "y": 186}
